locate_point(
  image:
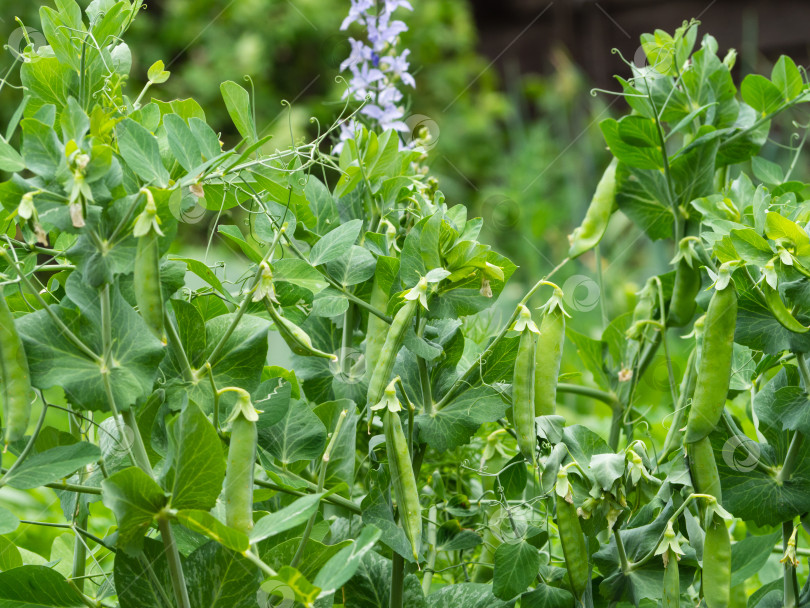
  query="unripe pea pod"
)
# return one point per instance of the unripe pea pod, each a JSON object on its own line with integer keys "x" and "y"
{"x": 672, "y": 583}
{"x": 403, "y": 480}
{"x": 148, "y": 294}
{"x": 703, "y": 468}
{"x": 593, "y": 227}
{"x": 573, "y": 545}
{"x": 550, "y": 343}
{"x": 523, "y": 385}
{"x": 238, "y": 487}
{"x": 780, "y": 311}
{"x": 684, "y": 291}
{"x": 384, "y": 365}
{"x": 717, "y": 564}
{"x": 15, "y": 379}
{"x": 377, "y": 328}
{"x": 714, "y": 369}
{"x": 296, "y": 338}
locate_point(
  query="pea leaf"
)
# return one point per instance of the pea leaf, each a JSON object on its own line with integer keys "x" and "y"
{"x": 298, "y": 272}
{"x": 199, "y": 464}
{"x": 237, "y": 100}
{"x": 241, "y": 360}
{"x": 761, "y": 94}
{"x": 342, "y": 567}
{"x": 217, "y": 577}
{"x": 315, "y": 555}
{"x": 456, "y": 423}
{"x": 42, "y": 151}
{"x": 353, "y": 267}
{"x": 748, "y": 556}
{"x": 370, "y": 587}
{"x": 136, "y": 499}
{"x": 10, "y": 159}
{"x": 643, "y": 196}
{"x": 286, "y": 518}
{"x": 37, "y": 586}
{"x": 55, "y": 361}
{"x": 787, "y": 78}
{"x": 545, "y": 596}
{"x": 336, "y": 243}
{"x": 181, "y": 142}
{"x": 515, "y": 567}
{"x": 141, "y": 152}
{"x": 300, "y": 435}
{"x": 51, "y": 465}
{"x": 469, "y": 595}
{"x": 142, "y": 579}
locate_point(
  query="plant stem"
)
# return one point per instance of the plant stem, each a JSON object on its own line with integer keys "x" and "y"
{"x": 606, "y": 397}
{"x": 431, "y": 556}
{"x": 81, "y": 531}
{"x": 321, "y": 483}
{"x": 338, "y": 501}
{"x": 175, "y": 567}
{"x": 620, "y": 549}
{"x": 177, "y": 347}
{"x": 615, "y": 429}
{"x": 397, "y": 581}
{"x": 262, "y": 566}
{"x": 28, "y": 446}
{"x": 791, "y": 582}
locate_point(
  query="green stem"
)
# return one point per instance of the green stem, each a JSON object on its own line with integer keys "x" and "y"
{"x": 615, "y": 429}
{"x": 262, "y": 566}
{"x": 175, "y": 567}
{"x": 338, "y": 501}
{"x": 791, "y": 582}
{"x": 620, "y": 549}
{"x": 608, "y": 398}
{"x": 397, "y": 581}
{"x": 321, "y": 483}
{"x": 81, "y": 531}
{"x": 177, "y": 347}
{"x": 28, "y": 446}
{"x": 431, "y": 556}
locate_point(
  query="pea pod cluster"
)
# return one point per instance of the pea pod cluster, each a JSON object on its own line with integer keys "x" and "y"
{"x": 15, "y": 380}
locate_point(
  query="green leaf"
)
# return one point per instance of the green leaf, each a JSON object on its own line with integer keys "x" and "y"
{"x": 136, "y": 499}
{"x": 787, "y": 408}
{"x": 237, "y": 100}
{"x": 156, "y": 74}
{"x": 207, "y": 140}
{"x": 370, "y": 587}
{"x": 377, "y": 512}
{"x": 468, "y": 595}
{"x": 314, "y": 558}
{"x": 355, "y": 266}
{"x": 321, "y": 206}
{"x": 628, "y": 153}
{"x": 787, "y": 78}
{"x": 766, "y": 171}
{"x": 761, "y": 94}
{"x": 41, "y": 149}
{"x": 182, "y": 143}
{"x": 55, "y": 361}
{"x": 10, "y": 159}
{"x": 141, "y": 152}
{"x": 334, "y": 244}
{"x": 199, "y": 464}
{"x": 48, "y": 81}
{"x": 52, "y": 465}
{"x": 329, "y": 303}
{"x": 37, "y": 587}
{"x": 455, "y": 424}
{"x": 642, "y": 195}
{"x": 545, "y": 596}
{"x": 300, "y": 435}
{"x": 9, "y": 555}
{"x": 206, "y": 524}
{"x": 290, "y": 584}
{"x": 241, "y": 360}
{"x": 590, "y": 354}
{"x": 341, "y": 467}
{"x": 284, "y": 519}
{"x": 143, "y": 579}
{"x": 342, "y": 567}
{"x": 8, "y": 521}
{"x": 515, "y": 567}
{"x": 217, "y": 577}
{"x": 298, "y": 272}
{"x": 234, "y": 235}
{"x": 749, "y": 555}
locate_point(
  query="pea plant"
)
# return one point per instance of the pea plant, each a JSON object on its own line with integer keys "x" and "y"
{"x": 411, "y": 454}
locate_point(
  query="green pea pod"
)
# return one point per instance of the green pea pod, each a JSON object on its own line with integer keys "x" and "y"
{"x": 703, "y": 468}
{"x": 684, "y": 291}
{"x": 523, "y": 392}
{"x": 377, "y": 328}
{"x": 672, "y": 583}
{"x": 15, "y": 380}
{"x": 687, "y": 389}
{"x": 573, "y": 545}
{"x": 590, "y": 232}
{"x": 549, "y": 354}
{"x": 714, "y": 369}
{"x": 403, "y": 480}
{"x": 296, "y": 338}
{"x": 717, "y": 565}
{"x": 384, "y": 365}
{"x": 239, "y": 474}
{"x": 780, "y": 311}
{"x": 148, "y": 294}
